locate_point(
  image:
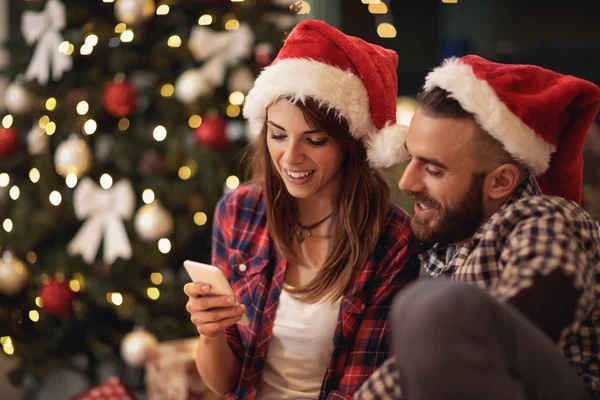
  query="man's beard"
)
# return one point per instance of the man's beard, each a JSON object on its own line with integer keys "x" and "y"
{"x": 453, "y": 224}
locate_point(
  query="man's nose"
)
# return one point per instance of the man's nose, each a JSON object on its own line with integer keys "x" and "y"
{"x": 411, "y": 180}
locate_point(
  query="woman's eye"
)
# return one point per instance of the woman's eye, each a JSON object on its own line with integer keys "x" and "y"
{"x": 317, "y": 143}
{"x": 276, "y": 136}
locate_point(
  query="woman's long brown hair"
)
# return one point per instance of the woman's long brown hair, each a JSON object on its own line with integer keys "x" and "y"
{"x": 364, "y": 201}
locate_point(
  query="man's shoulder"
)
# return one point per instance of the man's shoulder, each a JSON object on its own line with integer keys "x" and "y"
{"x": 550, "y": 213}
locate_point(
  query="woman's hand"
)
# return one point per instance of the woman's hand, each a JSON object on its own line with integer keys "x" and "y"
{"x": 210, "y": 313}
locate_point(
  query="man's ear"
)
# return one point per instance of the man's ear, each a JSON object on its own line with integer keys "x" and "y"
{"x": 502, "y": 181}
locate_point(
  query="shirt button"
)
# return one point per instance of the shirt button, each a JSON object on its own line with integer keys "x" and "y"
{"x": 242, "y": 267}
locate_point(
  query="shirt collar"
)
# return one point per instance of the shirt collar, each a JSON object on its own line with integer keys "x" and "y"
{"x": 437, "y": 259}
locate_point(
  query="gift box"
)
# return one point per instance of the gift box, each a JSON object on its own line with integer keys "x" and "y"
{"x": 171, "y": 373}
{"x": 111, "y": 389}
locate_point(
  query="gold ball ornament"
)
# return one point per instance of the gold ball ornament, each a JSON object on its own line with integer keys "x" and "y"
{"x": 152, "y": 222}
{"x": 72, "y": 156}
{"x": 134, "y": 12}
{"x": 136, "y": 346}
{"x": 13, "y": 274}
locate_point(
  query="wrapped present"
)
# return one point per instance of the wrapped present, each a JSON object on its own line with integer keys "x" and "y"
{"x": 111, "y": 389}
{"x": 171, "y": 373}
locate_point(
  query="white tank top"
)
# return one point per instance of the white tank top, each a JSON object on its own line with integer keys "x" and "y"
{"x": 300, "y": 349}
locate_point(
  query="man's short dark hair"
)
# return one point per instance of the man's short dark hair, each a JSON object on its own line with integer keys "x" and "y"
{"x": 438, "y": 103}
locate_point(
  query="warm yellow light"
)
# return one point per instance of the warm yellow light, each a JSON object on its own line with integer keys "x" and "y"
{"x": 304, "y": 8}
{"x": 39, "y": 302}
{"x": 200, "y": 218}
{"x": 159, "y": 133}
{"x": 167, "y": 90}
{"x": 116, "y": 298}
{"x": 185, "y": 172}
{"x": 51, "y": 104}
{"x": 71, "y": 180}
{"x": 148, "y": 196}
{"x": 174, "y": 41}
{"x": 232, "y": 182}
{"x": 34, "y": 175}
{"x": 14, "y": 192}
{"x": 378, "y": 8}
{"x": 6, "y": 341}
{"x": 164, "y": 245}
{"x": 120, "y": 28}
{"x": 91, "y": 39}
{"x": 31, "y": 257}
{"x": 10, "y": 350}
{"x": 195, "y": 121}
{"x": 83, "y": 107}
{"x": 50, "y": 128}
{"x": 236, "y": 98}
{"x": 371, "y": 1}
{"x": 237, "y": 1}
{"x": 153, "y": 293}
{"x": 86, "y": 49}
{"x": 106, "y": 181}
{"x": 4, "y": 179}
{"x": 63, "y": 47}
{"x": 163, "y": 9}
{"x": 127, "y": 36}
{"x": 74, "y": 285}
{"x": 233, "y": 111}
{"x": 34, "y": 315}
{"x": 156, "y": 278}
{"x": 90, "y": 127}
{"x": 108, "y": 1}
{"x": 386, "y": 30}
{"x": 123, "y": 124}
{"x": 66, "y": 48}
{"x": 7, "y": 121}
{"x": 44, "y": 121}
{"x": 205, "y": 20}
{"x": 232, "y": 25}
{"x": 450, "y": 1}
{"x": 7, "y": 225}
{"x": 55, "y": 198}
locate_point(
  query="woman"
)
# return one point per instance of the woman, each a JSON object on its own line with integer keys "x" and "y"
{"x": 313, "y": 247}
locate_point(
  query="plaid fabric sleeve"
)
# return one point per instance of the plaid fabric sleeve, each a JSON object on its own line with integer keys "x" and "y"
{"x": 221, "y": 237}
{"x": 543, "y": 256}
{"x": 384, "y": 384}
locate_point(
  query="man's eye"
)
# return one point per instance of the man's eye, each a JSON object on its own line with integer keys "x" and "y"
{"x": 433, "y": 172}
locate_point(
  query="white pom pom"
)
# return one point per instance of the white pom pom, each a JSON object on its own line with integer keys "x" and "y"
{"x": 386, "y": 148}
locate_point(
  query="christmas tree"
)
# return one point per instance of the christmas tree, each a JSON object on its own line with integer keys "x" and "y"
{"x": 122, "y": 130}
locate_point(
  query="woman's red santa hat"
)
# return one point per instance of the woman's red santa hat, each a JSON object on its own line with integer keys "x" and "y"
{"x": 354, "y": 78}
{"x": 540, "y": 117}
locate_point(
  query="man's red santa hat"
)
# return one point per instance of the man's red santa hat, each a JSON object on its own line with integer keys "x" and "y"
{"x": 540, "y": 117}
{"x": 354, "y": 78}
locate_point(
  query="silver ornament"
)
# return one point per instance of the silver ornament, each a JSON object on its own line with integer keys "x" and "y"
{"x": 136, "y": 346}
{"x": 17, "y": 99}
{"x": 13, "y": 274}
{"x": 72, "y": 156}
{"x": 134, "y": 12}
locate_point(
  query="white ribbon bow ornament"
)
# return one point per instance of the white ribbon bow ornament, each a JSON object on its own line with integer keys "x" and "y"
{"x": 44, "y": 27}
{"x": 220, "y": 49}
{"x": 105, "y": 211}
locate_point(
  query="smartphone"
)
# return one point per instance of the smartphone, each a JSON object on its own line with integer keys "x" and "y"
{"x": 219, "y": 285}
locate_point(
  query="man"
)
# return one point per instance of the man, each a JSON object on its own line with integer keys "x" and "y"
{"x": 496, "y": 174}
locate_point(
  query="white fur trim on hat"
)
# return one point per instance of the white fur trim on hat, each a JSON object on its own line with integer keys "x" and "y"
{"x": 387, "y": 147}
{"x": 299, "y": 79}
{"x": 477, "y": 97}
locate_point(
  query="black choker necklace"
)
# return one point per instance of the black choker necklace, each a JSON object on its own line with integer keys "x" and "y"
{"x": 300, "y": 228}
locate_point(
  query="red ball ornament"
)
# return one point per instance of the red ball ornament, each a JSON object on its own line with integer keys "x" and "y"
{"x": 57, "y": 298}
{"x": 9, "y": 141}
{"x": 211, "y": 133}
{"x": 120, "y": 98}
